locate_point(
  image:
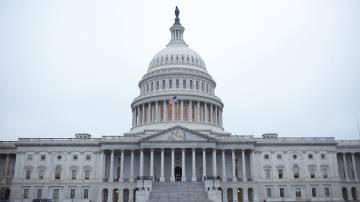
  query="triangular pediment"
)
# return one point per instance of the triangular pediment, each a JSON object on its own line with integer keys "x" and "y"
{"x": 178, "y": 133}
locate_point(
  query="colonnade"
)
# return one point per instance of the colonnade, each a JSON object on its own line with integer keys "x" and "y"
{"x": 349, "y": 165}
{"x": 181, "y": 110}
{"x": 194, "y": 177}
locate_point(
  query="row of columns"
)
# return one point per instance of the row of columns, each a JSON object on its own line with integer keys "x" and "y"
{"x": 143, "y": 113}
{"x": 172, "y": 177}
{"x": 7, "y": 164}
{"x": 353, "y": 165}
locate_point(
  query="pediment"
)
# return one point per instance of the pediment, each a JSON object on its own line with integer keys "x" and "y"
{"x": 178, "y": 134}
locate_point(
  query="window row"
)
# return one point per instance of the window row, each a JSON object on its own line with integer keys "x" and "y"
{"x": 177, "y": 84}
{"x": 39, "y": 193}
{"x": 58, "y": 172}
{"x": 296, "y": 172}
{"x": 294, "y": 156}
{"x": 58, "y": 157}
{"x": 298, "y": 192}
{"x": 176, "y": 59}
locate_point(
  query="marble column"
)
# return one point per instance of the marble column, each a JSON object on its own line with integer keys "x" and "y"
{"x": 224, "y": 165}
{"x": 253, "y": 165}
{"x": 132, "y": 166}
{"x": 356, "y": 177}
{"x": 211, "y": 114}
{"x": 182, "y": 110}
{"x": 121, "y": 178}
{"x": 141, "y": 162}
{"x": 216, "y": 115}
{"x": 190, "y": 111}
{"x": 102, "y": 166}
{"x": 345, "y": 167}
{"x": 243, "y": 165}
{"x": 165, "y": 111}
{"x": 214, "y": 163}
{"x": 7, "y": 165}
{"x": 172, "y": 177}
{"x": 156, "y": 111}
{"x": 233, "y": 166}
{"x": 173, "y": 111}
{"x": 204, "y": 163}
{"x": 183, "y": 177}
{"x": 198, "y": 111}
{"x": 162, "y": 178}
{"x": 149, "y": 113}
{"x": 152, "y": 163}
{"x": 193, "y": 166}
{"x": 143, "y": 113}
{"x": 206, "y": 119}
{"x": 111, "y": 176}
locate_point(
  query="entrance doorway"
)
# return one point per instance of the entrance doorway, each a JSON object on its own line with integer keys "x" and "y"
{"x": 178, "y": 174}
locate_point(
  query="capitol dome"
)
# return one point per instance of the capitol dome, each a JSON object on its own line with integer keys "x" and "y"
{"x": 177, "y": 54}
{"x": 177, "y": 90}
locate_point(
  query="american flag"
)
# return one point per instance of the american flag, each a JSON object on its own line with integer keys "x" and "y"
{"x": 172, "y": 100}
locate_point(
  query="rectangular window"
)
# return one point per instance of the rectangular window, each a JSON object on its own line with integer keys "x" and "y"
{"x": 279, "y": 156}
{"x": 29, "y": 157}
{"x": 313, "y": 192}
{"x": 39, "y": 194}
{"x": 147, "y": 88}
{"x": 26, "y": 193}
{"x": 298, "y": 193}
{"x": 41, "y": 174}
{"x": 73, "y": 174}
{"x": 282, "y": 192}
{"x": 202, "y": 86}
{"x": 268, "y": 192}
{"x": 170, "y": 84}
{"x": 310, "y": 156}
{"x": 157, "y": 85}
{"x": 87, "y": 174}
{"x": 163, "y": 84}
{"x": 86, "y": 193}
{"x": 88, "y": 157}
{"x": 75, "y": 157}
{"x": 197, "y": 85}
{"x": 42, "y": 157}
{"x": 281, "y": 174}
{"x": 327, "y": 191}
{"x": 191, "y": 84}
{"x": 267, "y": 173}
{"x": 56, "y": 195}
{"x": 27, "y": 174}
{"x": 152, "y": 86}
{"x": 323, "y": 156}
{"x": 184, "y": 83}
{"x": 72, "y": 193}
{"x": 266, "y": 156}
{"x": 177, "y": 83}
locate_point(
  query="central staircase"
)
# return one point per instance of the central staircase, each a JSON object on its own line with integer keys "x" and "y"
{"x": 178, "y": 192}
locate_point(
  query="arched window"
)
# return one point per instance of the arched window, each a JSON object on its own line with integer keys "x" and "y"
{"x": 267, "y": 171}
{"x": 296, "y": 171}
{"x": 230, "y": 195}
{"x": 324, "y": 171}
{"x": 312, "y": 171}
{"x": 58, "y": 172}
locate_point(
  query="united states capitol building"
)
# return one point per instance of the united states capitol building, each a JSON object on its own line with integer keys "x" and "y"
{"x": 178, "y": 150}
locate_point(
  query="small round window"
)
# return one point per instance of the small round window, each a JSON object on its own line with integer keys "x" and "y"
{"x": 294, "y": 156}
{"x": 59, "y": 157}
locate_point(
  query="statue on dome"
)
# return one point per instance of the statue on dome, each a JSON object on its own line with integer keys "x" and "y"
{"x": 177, "y": 12}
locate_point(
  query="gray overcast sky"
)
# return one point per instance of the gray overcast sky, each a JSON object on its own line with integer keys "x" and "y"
{"x": 291, "y": 67}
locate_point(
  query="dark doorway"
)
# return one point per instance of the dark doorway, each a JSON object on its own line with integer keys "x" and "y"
{"x": 178, "y": 174}
{"x": 115, "y": 195}
{"x": 345, "y": 194}
{"x": 126, "y": 195}
{"x": 229, "y": 195}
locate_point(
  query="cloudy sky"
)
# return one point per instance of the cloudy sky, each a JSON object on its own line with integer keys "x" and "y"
{"x": 290, "y": 67}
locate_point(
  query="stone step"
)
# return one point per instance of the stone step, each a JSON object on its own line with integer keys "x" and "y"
{"x": 178, "y": 192}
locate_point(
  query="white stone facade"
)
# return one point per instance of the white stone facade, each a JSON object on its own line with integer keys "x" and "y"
{"x": 177, "y": 135}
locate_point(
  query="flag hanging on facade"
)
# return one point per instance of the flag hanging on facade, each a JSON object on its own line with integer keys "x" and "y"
{"x": 172, "y": 100}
